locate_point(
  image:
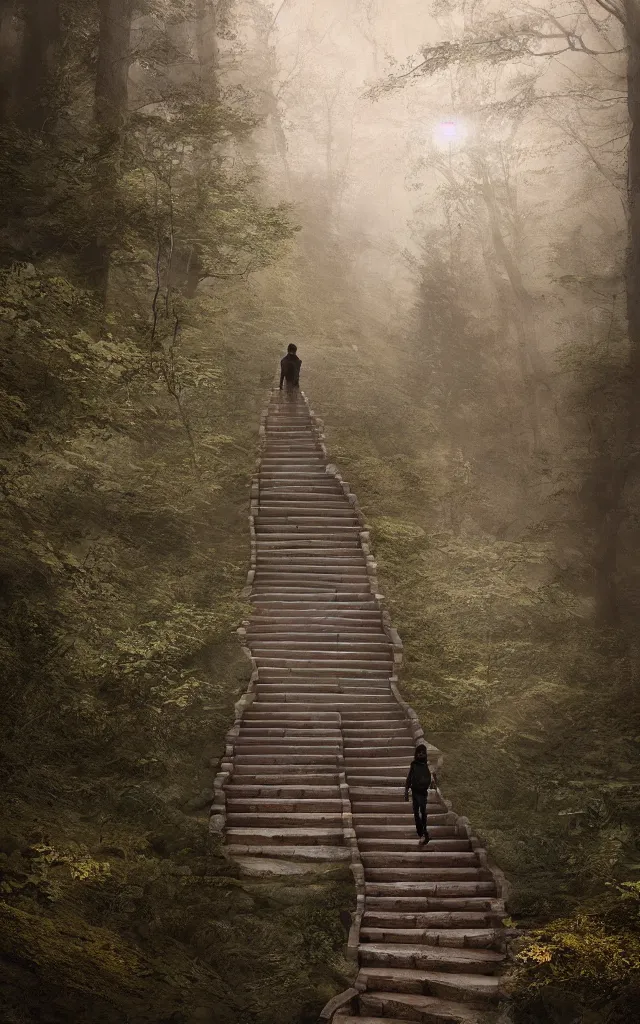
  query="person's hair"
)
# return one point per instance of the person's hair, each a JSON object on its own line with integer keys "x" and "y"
{"x": 292, "y": 348}
{"x": 421, "y": 747}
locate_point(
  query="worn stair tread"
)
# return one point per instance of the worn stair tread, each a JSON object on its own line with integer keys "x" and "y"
{"x": 466, "y": 938}
{"x": 239, "y": 833}
{"x": 481, "y": 984}
{"x": 291, "y": 852}
{"x": 432, "y": 1009}
{"x": 426, "y": 953}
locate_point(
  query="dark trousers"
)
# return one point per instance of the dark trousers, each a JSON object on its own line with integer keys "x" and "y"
{"x": 420, "y": 811}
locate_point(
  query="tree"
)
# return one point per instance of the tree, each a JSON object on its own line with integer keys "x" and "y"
{"x": 532, "y": 37}
{"x": 110, "y": 112}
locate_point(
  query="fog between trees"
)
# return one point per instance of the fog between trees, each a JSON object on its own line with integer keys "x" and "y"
{"x": 437, "y": 204}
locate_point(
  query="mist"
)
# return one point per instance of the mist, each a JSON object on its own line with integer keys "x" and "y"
{"x": 437, "y": 204}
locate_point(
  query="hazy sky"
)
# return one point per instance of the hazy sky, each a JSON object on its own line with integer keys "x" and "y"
{"x": 329, "y": 52}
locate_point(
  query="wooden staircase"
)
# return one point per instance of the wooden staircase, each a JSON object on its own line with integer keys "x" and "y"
{"x": 316, "y": 762}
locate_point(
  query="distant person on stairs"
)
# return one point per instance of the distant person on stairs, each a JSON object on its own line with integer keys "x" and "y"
{"x": 290, "y": 368}
{"x": 419, "y": 781}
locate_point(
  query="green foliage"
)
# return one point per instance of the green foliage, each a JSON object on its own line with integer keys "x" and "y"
{"x": 128, "y": 431}
{"x": 593, "y": 957}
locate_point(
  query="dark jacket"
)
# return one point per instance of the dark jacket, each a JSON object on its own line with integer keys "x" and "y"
{"x": 290, "y": 369}
{"x": 419, "y": 777}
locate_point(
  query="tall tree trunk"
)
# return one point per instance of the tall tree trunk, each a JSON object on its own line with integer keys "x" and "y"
{"x": 110, "y": 111}
{"x": 530, "y": 359}
{"x": 187, "y": 269}
{"x": 612, "y": 467}
{"x": 207, "y": 48}
{"x": 9, "y": 54}
{"x": 36, "y": 91}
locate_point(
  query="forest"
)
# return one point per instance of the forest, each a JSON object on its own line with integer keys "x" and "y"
{"x": 438, "y": 204}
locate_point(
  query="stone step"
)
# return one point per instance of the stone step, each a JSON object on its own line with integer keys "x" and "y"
{"x": 279, "y": 694}
{"x": 327, "y": 658}
{"x": 312, "y": 647}
{"x": 311, "y": 734}
{"x": 376, "y": 873}
{"x": 300, "y": 852}
{"x": 356, "y": 678}
{"x": 475, "y": 989}
{"x": 427, "y": 920}
{"x": 339, "y": 703}
{"x": 439, "y": 958}
{"x": 326, "y": 675}
{"x": 268, "y": 758}
{"x": 278, "y": 748}
{"x": 388, "y": 772}
{"x": 250, "y": 777}
{"x": 280, "y": 807}
{"x": 329, "y": 616}
{"x": 288, "y": 485}
{"x": 309, "y": 547}
{"x": 402, "y": 819}
{"x": 302, "y": 819}
{"x": 361, "y": 611}
{"x": 285, "y": 836}
{"x": 309, "y": 505}
{"x": 357, "y": 761}
{"x": 273, "y": 790}
{"x": 382, "y": 844}
{"x": 317, "y": 637}
{"x": 337, "y": 612}
{"x": 420, "y": 1008}
{"x": 345, "y": 592}
{"x": 310, "y": 561}
{"x": 312, "y": 592}
{"x": 306, "y": 529}
{"x": 432, "y": 889}
{"x": 314, "y": 716}
{"x": 326, "y": 497}
{"x": 279, "y": 520}
{"x": 390, "y": 777}
{"x": 312, "y": 597}
{"x": 304, "y": 516}
{"x": 294, "y": 765}
{"x": 316, "y": 629}
{"x": 417, "y": 857}
{"x": 358, "y": 736}
{"x": 329, "y": 687}
{"x": 399, "y": 833}
{"x": 435, "y": 904}
{"x": 366, "y": 697}
{"x": 311, "y": 564}
{"x": 266, "y": 724}
{"x": 308, "y": 583}
{"x": 361, "y": 749}
{"x": 322, "y": 637}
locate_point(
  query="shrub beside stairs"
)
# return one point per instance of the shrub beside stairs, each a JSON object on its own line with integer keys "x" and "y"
{"x": 316, "y": 760}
